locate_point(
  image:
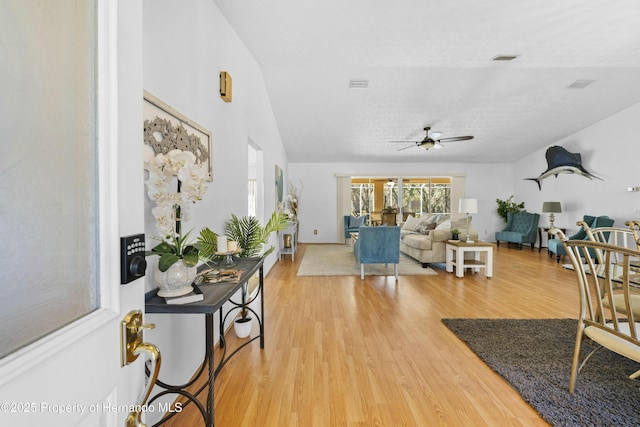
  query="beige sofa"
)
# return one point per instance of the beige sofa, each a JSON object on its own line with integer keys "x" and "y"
{"x": 425, "y": 239}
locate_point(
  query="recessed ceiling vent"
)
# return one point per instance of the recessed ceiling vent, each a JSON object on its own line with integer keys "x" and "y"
{"x": 580, "y": 84}
{"x": 504, "y": 57}
{"x": 358, "y": 84}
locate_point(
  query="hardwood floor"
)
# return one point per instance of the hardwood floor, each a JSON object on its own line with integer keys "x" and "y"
{"x": 341, "y": 351}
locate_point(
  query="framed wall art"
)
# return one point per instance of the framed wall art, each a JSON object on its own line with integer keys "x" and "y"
{"x": 166, "y": 129}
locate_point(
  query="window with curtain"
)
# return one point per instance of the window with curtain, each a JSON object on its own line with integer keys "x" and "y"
{"x": 49, "y": 216}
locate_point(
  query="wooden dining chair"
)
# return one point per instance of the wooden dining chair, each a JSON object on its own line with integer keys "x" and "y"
{"x": 607, "y": 314}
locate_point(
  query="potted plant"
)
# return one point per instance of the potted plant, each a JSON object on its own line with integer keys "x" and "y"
{"x": 455, "y": 233}
{"x": 251, "y": 237}
{"x": 506, "y": 206}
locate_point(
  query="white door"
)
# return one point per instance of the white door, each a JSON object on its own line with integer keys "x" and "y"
{"x": 72, "y": 376}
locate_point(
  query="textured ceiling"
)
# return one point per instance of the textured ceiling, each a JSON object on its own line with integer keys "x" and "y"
{"x": 429, "y": 63}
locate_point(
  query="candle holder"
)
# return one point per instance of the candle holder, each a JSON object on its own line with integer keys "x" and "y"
{"x": 228, "y": 258}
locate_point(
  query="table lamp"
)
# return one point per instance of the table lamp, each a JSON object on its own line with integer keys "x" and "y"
{"x": 551, "y": 208}
{"x": 468, "y": 206}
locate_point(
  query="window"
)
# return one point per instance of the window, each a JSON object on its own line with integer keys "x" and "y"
{"x": 426, "y": 195}
{"x": 49, "y": 218}
{"x": 420, "y": 195}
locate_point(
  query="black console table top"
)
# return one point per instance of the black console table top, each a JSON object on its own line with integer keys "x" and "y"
{"x": 215, "y": 294}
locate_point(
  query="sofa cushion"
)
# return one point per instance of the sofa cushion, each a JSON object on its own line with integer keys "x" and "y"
{"x": 417, "y": 240}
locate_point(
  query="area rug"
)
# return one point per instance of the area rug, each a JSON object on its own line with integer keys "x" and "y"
{"x": 534, "y": 357}
{"x": 338, "y": 260}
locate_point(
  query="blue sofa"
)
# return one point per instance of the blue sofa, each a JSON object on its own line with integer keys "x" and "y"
{"x": 556, "y": 247}
{"x": 522, "y": 227}
{"x": 377, "y": 245}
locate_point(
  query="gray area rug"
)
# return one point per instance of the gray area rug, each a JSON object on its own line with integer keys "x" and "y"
{"x": 338, "y": 260}
{"x": 534, "y": 356}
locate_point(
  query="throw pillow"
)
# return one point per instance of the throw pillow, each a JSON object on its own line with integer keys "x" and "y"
{"x": 411, "y": 223}
{"x": 445, "y": 225}
{"x": 356, "y": 221}
{"x": 424, "y": 227}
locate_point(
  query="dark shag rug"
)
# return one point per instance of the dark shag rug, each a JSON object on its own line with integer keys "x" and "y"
{"x": 534, "y": 356}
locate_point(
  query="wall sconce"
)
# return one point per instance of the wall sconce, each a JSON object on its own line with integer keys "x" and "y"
{"x": 225, "y": 86}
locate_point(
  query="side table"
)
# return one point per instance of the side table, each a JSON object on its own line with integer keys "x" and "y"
{"x": 288, "y": 245}
{"x": 549, "y": 235}
{"x": 477, "y": 248}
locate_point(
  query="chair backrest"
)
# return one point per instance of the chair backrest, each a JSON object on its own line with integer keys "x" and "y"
{"x": 379, "y": 244}
{"x": 635, "y": 228}
{"x": 597, "y": 283}
{"x": 522, "y": 222}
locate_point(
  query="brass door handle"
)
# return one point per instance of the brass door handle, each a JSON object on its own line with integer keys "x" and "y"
{"x": 132, "y": 344}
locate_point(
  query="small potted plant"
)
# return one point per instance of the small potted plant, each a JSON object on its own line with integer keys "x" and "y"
{"x": 455, "y": 233}
{"x": 242, "y": 325}
{"x": 252, "y": 238}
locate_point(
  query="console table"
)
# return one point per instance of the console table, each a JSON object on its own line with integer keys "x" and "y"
{"x": 291, "y": 246}
{"x": 215, "y": 295}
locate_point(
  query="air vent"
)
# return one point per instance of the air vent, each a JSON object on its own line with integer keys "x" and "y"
{"x": 504, "y": 57}
{"x": 358, "y": 84}
{"x": 580, "y": 84}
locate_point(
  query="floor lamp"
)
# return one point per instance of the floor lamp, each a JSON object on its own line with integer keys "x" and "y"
{"x": 468, "y": 206}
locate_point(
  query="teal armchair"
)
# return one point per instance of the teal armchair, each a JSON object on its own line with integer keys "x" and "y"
{"x": 352, "y": 224}
{"x": 377, "y": 245}
{"x": 522, "y": 227}
{"x": 556, "y": 247}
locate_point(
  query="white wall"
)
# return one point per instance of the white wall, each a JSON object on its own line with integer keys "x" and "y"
{"x": 185, "y": 46}
{"x": 609, "y": 150}
{"x": 318, "y": 201}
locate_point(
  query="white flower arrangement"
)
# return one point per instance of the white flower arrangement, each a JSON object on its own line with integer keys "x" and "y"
{"x": 175, "y": 182}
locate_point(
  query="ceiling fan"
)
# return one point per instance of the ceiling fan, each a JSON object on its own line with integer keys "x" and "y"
{"x": 433, "y": 141}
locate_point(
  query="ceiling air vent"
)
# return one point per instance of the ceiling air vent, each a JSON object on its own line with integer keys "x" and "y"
{"x": 580, "y": 84}
{"x": 358, "y": 84}
{"x": 504, "y": 57}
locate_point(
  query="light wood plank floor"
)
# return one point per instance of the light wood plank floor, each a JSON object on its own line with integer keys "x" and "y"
{"x": 341, "y": 351}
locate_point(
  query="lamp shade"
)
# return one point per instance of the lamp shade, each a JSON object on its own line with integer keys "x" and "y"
{"x": 468, "y": 206}
{"x": 551, "y": 207}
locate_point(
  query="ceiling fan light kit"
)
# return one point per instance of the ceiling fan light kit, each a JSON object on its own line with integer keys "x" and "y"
{"x": 433, "y": 141}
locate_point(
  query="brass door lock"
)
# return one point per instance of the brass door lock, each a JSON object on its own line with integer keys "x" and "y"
{"x": 131, "y": 330}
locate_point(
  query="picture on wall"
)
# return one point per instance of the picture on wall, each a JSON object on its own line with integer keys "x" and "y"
{"x": 166, "y": 129}
{"x": 279, "y": 189}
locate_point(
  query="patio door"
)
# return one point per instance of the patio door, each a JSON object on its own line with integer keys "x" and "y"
{"x": 63, "y": 181}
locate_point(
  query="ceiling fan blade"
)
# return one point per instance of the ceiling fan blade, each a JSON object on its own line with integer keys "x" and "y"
{"x": 404, "y": 148}
{"x": 456, "y": 138}
{"x": 406, "y": 141}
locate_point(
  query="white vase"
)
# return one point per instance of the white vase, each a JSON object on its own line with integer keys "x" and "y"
{"x": 176, "y": 280}
{"x": 242, "y": 327}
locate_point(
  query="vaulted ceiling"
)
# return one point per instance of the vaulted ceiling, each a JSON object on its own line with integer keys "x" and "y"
{"x": 430, "y": 63}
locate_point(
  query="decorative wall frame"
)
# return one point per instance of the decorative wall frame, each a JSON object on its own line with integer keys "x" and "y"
{"x": 166, "y": 129}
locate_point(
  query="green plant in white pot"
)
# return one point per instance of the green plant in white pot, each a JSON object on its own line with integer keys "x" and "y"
{"x": 251, "y": 237}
